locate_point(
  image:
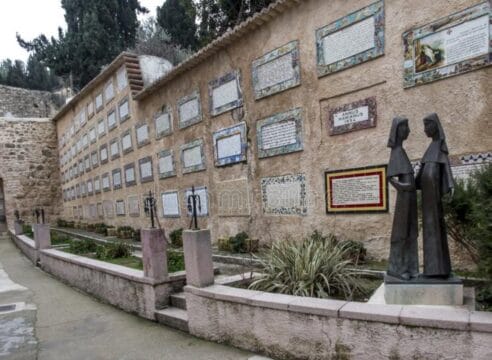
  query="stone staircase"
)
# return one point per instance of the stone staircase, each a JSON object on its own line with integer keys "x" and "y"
{"x": 174, "y": 316}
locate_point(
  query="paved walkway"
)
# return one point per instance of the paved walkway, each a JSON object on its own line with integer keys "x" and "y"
{"x": 72, "y": 325}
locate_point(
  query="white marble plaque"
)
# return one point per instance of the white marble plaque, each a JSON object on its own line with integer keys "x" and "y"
{"x": 127, "y": 141}
{"x": 188, "y": 110}
{"x": 146, "y": 169}
{"x": 101, "y": 127}
{"x": 357, "y": 190}
{"x": 99, "y": 101}
{"x": 162, "y": 123}
{"x": 278, "y": 134}
{"x": 130, "y": 174}
{"x": 104, "y": 154}
{"x": 461, "y": 42}
{"x": 111, "y": 119}
{"x": 225, "y": 94}
{"x": 142, "y": 133}
{"x": 229, "y": 146}
{"x": 170, "y": 204}
{"x": 105, "y": 182}
{"x": 120, "y": 207}
{"x": 166, "y": 164}
{"x": 124, "y": 110}
{"x": 356, "y": 115}
{"x": 115, "y": 149}
{"x": 349, "y": 41}
{"x": 202, "y": 193}
{"x": 192, "y": 156}
{"x": 133, "y": 206}
{"x": 121, "y": 79}
{"x": 275, "y": 71}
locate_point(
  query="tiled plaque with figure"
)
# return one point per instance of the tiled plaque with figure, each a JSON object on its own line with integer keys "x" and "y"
{"x": 351, "y": 40}
{"x": 449, "y": 46}
{"x": 361, "y": 190}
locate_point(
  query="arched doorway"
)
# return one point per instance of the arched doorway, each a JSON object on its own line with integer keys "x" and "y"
{"x": 3, "y": 218}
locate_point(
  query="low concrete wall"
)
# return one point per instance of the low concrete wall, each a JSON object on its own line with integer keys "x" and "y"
{"x": 26, "y": 246}
{"x": 118, "y": 285}
{"x": 291, "y": 327}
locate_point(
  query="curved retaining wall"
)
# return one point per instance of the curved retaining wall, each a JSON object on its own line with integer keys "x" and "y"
{"x": 292, "y": 327}
{"x": 125, "y": 288}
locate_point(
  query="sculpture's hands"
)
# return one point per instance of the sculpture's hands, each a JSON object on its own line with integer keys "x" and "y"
{"x": 451, "y": 192}
{"x": 401, "y": 186}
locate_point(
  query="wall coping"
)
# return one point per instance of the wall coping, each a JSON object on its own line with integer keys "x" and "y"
{"x": 24, "y": 119}
{"x": 26, "y": 240}
{"x": 441, "y": 317}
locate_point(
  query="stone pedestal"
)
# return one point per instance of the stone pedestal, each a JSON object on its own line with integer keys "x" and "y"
{"x": 42, "y": 236}
{"x": 154, "y": 254}
{"x": 18, "y": 227}
{"x": 198, "y": 258}
{"x": 423, "y": 291}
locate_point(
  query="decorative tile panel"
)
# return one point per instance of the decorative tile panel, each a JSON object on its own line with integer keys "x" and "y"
{"x": 225, "y": 93}
{"x": 284, "y": 195}
{"x": 130, "y": 176}
{"x": 230, "y": 145}
{"x": 354, "y": 116}
{"x": 351, "y": 40}
{"x": 450, "y": 46}
{"x": 193, "y": 156}
{"x": 170, "y": 204}
{"x": 146, "y": 172}
{"x": 280, "y": 134}
{"x": 163, "y": 122}
{"x": 189, "y": 110}
{"x": 277, "y": 70}
{"x": 166, "y": 164}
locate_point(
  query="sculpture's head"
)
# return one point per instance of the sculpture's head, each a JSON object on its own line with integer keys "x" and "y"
{"x": 432, "y": 127}
{"x": 399, "y": 131}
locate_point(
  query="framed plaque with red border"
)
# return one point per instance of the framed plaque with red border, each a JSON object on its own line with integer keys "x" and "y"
{"x": 360, "y": 190}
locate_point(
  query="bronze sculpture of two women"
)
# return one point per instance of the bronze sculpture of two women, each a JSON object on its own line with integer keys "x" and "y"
{"x": 434, "y": 179}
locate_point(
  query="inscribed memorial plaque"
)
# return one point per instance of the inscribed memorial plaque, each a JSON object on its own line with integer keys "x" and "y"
{"x": 142, "y": 132}
{"x": 277, "y": 70}
{"x": 120, "y": 207}
{"x": 280, "y": 134}
{"x": 284, "y": 195}
{"x": 192, "y": 156}
{"x": 351, "y": 40}
{"x": 105, "y": 182}
{"x": 124, "y": 110}
{"x": 108, "y": 208}
{"x": 109, "y": 91}
{"x": 449, "y": 46}
{"x": 130, "y": 178}
{"x": 121, "y": 80}
{"x": 101, "y": 128}
{"x": 163, "y": 122}
{"x": 133, "y": 205}
{"x": 357, "y": 190}
{"x": 170, "y": 204}
{"x": 116, "y": 179}
{"x": 126, "y": 142}
{"x": 146, "y": 169}
{"x": 202, "y": 193}
{"x": 99, "y": 102}
{"x": 358, "y": 115}
{"x": 166, "y": 164}
{"x": 111, "y": 120}
{"x": 189, "y": 110}
{"x": 233, "y": 198}
{"x": 230, "y": 145}
{"x": 225, "y": 93}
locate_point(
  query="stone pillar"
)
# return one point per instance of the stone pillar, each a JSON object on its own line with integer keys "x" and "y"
{"x": 18, "y": 227}
{"x": 198, "y": 258}
{"x": 154, "y": 254}
{"x": 42, "y": 236}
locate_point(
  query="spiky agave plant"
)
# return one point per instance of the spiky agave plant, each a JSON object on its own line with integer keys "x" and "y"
{"x": 316, "y": 267}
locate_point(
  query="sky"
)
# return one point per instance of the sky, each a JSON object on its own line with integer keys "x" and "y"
{"x": 30, "y": 18}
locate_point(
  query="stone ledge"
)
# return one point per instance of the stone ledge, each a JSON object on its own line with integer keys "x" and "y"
{"x": 440, "y": 317}
{"x": 26, "y": 240}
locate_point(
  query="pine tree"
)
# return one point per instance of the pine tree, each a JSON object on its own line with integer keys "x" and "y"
{"x": 178, "y": 18}
{"x": 97, "y": 31}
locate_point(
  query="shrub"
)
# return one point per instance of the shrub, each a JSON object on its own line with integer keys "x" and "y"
{"x": 238, "y": 242}
{"x": 113, "y": 251}
{"x": 316, "y": 267}
{"x": 356, "y": 251}
{"x": 27, "y": 230}
{"x": 61, "y": 223}
{"x": 82, "y": 246}
{"x": 175, "y": 261}
{"x": 57, "y": 238}
{"x": 176, "y": 237}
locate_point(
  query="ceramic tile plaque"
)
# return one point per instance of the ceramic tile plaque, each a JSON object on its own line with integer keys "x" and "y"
{"x": 124, "y": 110}
{"x": 233, "y": 198}
{"x": 358, "y": 115}
{"x": 94, "y": 159}
{"x": 277, "y": 70}
{"x": 116, "y": 179}
{"x": 114, "y": 149}
{"x": 133, "y": 205}
{"x": 130, "y": 178}
{"x": 121, "y": 80}
{"x": 120, "y": 207}
{"x": 192, "y": 156}
{"x": 92, "y": 135}
{"x": 225, "y": 93}
{"x": 166, "y": 164}
{"x": 145, "y": 165}
{"x": 163, "y": 122}
{"x": 101, "y": 128}
{"x": 449, "y": 46}
{"x": 111, "y": 120}
{"x": 105, "y": 182}
{"x": 97, "y": 185}
{"x": 284, "y": 195}
{"x": 142, "y": 134}
{"x": 170, "y": 204}
{"x": 230, "y": 145}
{"x": 361, "y": 190}
{"x": 99, "y": 102}
{"x": 103, "y": 154}
{"x": 126, "y": 142}
{"x": 202, "y": 193}
{"x": 351, "y": 40}
{"x": 280, "y": 134}
{"x": 108, "y": 208}
{"x": 189, "y": 110}
{"x": 109, "y": 91}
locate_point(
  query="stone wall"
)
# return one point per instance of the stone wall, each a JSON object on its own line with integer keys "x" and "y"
{"x": 24, "y": 103}
{"x": 29, "y": 167}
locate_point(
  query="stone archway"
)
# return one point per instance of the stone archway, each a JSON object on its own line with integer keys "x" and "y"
{"x": 3, "y": 217}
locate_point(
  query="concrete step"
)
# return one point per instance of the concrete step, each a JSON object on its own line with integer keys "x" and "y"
{"x": 173, "y": 317}
{"x": 179, "y": 300}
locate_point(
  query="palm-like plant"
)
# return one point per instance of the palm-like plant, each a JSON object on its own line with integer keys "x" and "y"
{"x": 316, "y": 267}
